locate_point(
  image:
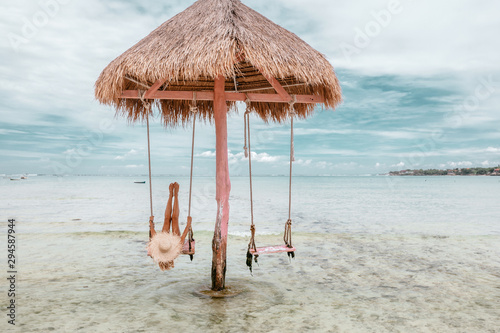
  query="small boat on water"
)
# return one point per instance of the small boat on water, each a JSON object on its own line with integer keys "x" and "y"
{"x": 15, "y": 179}
{"x": 144, "y": 182}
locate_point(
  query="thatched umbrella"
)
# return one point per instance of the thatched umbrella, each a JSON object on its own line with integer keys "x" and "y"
{"x": 218, "y": 52}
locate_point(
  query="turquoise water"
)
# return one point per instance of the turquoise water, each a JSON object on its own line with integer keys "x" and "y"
{"x": 375, "y": 254}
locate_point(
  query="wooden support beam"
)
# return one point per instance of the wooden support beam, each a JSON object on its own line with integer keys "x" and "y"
{"x": 230, "y": 96}
{"x": 174, "y": 95}
{"x": 279, "y": 89}
{"x": 273, "y": 98}
{"x": 154, "y": 88}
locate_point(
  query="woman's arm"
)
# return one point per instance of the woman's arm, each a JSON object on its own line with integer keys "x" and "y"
{"x": 152, "y": 230}
{"x": 186, "y": 229}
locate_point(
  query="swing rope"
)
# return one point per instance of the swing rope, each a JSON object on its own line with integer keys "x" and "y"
{"x": 194, "y": 110}
{"x": 147, "y": 108}
{"x": 248, "y": 153}
{"x": 287, "y": 235}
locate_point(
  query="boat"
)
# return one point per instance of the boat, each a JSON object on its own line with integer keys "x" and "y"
{"x": 144, "y": 182}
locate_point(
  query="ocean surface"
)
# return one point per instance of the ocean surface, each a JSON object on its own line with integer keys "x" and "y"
{"x": 374, "y": 254}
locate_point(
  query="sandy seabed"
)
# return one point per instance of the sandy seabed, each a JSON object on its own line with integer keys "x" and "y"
{"x": 104, "y": 282}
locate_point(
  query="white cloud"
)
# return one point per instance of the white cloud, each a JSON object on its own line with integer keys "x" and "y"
{"x": 207, "y": 153}
{"x": 410, "y": 134}
{"x": 460, "y": 164}
{"x": 124, "y": 156}
{"x": 9, "y": 131}
{"x": 323, "y": 164}
{"x": 264, "y": 157}
{"x": 492, "y": 150}
{"x": 134, "y": 166}
{"x": 402, "y": 44}
{"x": 234, "y": 158}
{"x": 303, "y": 162}
{"x": 256, "y": 157}
{"x": 399, "y": 165}
{"x": 405, "y": 46}
{"x": 485, "y": 163}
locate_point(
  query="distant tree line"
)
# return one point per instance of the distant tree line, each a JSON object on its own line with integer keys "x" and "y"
{"x": 491, "y": 171}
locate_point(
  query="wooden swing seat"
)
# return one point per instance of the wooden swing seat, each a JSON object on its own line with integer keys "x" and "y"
{"x": 273, "y": 249}
{"x": 185, "y": 247}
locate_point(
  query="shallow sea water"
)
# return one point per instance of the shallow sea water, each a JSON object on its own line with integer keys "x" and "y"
{"x": 411, "y": 255}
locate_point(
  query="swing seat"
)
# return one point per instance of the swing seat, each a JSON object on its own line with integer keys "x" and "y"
{"x": 273, "y": 249}
{"x": 185, "y": 247}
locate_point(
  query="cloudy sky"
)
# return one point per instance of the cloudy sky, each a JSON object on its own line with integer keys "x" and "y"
{"x": 420, "y": 79}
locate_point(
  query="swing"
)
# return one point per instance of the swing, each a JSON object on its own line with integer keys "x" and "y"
{"x": 188, "y": 248}
{"x": 287, "y": 247}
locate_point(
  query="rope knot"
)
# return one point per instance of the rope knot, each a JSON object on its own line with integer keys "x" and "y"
{"x": 145, "y": 104}
{"x": 194, "y": 107}
{"x": 287, "y": 236}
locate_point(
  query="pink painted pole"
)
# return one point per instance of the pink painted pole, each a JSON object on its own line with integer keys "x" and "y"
{"x": 223, "y": 187}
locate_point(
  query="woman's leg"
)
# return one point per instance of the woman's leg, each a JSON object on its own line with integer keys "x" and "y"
{"x": 175, "y": 212}
{"x": 168, "y": 210}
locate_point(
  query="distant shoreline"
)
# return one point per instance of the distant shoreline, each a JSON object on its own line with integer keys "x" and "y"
{"x": 491, "y": 171}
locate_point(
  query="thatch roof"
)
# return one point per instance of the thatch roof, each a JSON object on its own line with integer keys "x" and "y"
{"x": 211, "y": 38}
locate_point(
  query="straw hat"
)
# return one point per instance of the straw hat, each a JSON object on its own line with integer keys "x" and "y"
{"x": 164, "y": 247}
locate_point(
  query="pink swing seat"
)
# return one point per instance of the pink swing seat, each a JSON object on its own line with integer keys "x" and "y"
{"x": 185, "y": 247}
{"x": 273, "y": 249}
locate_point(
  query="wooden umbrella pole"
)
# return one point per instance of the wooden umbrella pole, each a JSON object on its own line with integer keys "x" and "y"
{"x": 223, "y": 187}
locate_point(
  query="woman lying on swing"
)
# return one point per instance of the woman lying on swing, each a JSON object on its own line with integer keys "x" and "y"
{"x": 164, "y": 247}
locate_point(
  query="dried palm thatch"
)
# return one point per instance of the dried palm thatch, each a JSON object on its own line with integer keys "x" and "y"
{"x": 211, "y": 38}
